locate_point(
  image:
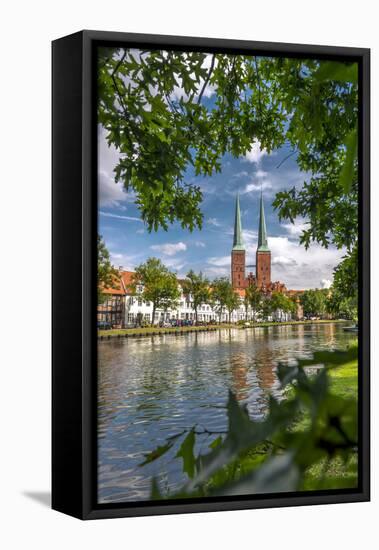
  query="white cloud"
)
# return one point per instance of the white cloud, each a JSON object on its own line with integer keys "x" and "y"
{"x": 176, "y": 264}
{"x": 119, "y": 217}
{"x": 296, "y": 229}
{"x": 296, "y": 267}
{"x": 257, "y": 187}
{"x": 169, "y": 249}
{"x": 216, "y": 271}
{"x": 199, "y": 244}
{"x": 219, "y": 261}
{"x": 325, "y": 283}
{"x": 260, "y": 174}
{"x": 213, "y": 221}
{"x": 249, "y": 237}
{"x": 242, "y": 174}
{"x": 110, "y": 193}
{"x": 124, "y": 261}
{"x": 256, "y": 153}
{"x": 283, "y": 260}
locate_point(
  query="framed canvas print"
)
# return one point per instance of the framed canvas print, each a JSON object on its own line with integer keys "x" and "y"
{"x": 210, "y": 274}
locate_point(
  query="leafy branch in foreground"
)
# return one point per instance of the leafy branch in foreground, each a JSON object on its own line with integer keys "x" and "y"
{"x": 310, "y": 427}
{"x": 165, "y": 111}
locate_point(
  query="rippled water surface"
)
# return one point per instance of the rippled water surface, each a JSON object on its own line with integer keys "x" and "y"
{"x": 153, "y": 387}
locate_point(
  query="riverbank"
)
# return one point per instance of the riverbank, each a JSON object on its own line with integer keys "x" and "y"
{"x": 151, "y": 331}
{"x": 336, "y": 473}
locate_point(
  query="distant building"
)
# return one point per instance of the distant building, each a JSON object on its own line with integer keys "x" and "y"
{"x": 262, "y": 276}
{"x": 122, "y": 307}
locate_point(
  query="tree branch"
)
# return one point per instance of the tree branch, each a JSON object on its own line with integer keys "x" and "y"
{"x": 286, "y": 158}
{"x": 207, "y": 79}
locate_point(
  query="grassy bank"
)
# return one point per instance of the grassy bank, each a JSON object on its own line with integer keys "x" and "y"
{"x": 337, "y": 474}
{"x": 332, "y": 474}
{"x": 144, "y": 331}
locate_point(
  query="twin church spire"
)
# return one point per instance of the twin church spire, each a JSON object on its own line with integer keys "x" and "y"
{"x": 237, "y": 241}
{"x": 262, "y": 232}
{"x": 262, "y": 278}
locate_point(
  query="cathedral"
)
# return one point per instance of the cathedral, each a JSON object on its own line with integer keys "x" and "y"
{"x": 262, "y": 276}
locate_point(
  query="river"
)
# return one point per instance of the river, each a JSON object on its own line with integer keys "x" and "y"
{"x": 153, "y": 387}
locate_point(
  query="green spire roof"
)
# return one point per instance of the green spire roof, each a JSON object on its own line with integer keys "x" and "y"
{"x": 237, "y": 241}
{"x": 262, "y": 235}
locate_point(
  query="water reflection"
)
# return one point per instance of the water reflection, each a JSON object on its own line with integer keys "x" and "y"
{"x": 153, "y": 387}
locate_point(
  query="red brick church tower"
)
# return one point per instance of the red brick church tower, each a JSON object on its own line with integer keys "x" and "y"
{"x": 238, "y": 252}
{"x": 263, "y": 254}
{"x": 262, "y": 277}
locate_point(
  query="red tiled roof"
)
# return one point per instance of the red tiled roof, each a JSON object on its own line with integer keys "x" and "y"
{"x": 121, "y": 284}
{"x": 117, "y": 289}
{"x": 241, "y": 292}
{"x": 127, "y": 278}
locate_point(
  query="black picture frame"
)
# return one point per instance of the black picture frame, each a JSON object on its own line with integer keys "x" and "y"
{"x": 74, "y": 341}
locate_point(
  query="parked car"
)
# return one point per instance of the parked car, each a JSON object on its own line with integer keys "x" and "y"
{"x": 104, "y": 325}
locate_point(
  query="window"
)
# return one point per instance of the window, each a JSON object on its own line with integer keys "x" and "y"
{"x": 130, "y": 317}
{"x": 131, "y": 300}
{"x": 140, "y": 301}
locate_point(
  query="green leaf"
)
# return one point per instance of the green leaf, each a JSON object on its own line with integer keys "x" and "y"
{"x": 216, "y": 442}
{"x": 286, "y": 374}
{"x": 155, "y": 493}
{"x": 156, "y": 453}
{"x": 341, "y": 72}
{"x": 335, "y": 357}
{"x": 347, "y": 171}
{"x": 186, "y": 453}
{"x": 276, "y": 475}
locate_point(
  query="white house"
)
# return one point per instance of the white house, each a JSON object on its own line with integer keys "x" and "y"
{"x": 124, "y": 308}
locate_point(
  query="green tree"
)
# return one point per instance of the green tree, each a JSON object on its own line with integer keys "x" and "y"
{"x": 197, "y": 286}
{"x": 281, "y": 302}
{"x": 308, "y": 105}
{"x": 340, "y": 306}
{"x": 107, "y": 275}
{"x": 253, "y": 298}
{"x": 246, "y": 302}
{"x": 233, "y": 302}
{"x": 159, "y": 285}
{"x": 343, "y": 296}
{"x": 314, "y": 302}
{"x": 222, "y": 295}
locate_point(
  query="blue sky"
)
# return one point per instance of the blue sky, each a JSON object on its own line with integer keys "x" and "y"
{"x": 208, "y": 250}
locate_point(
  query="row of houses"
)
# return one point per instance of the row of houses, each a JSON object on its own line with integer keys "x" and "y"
{"x": 122, "y": 308}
